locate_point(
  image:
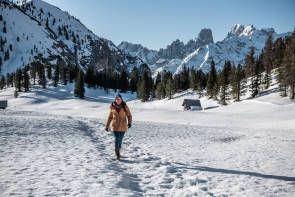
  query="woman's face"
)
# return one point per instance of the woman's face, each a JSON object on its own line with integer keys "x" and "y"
{"x": 118, "y": 100}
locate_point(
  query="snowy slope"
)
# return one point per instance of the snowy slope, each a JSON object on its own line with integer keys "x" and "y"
{"x": 33, "y": 39}
{"x": 47, "y": 33}
{"x": 54, "y": 144}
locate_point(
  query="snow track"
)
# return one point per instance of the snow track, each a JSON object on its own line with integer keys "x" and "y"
{"x": 55, "y": 155}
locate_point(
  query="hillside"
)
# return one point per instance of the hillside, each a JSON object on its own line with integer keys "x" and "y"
{"x": 38, "y": 31}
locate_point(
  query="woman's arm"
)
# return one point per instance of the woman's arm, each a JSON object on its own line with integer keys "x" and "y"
{"x": 110, "y": 117}
{"x": 129, "y": 116}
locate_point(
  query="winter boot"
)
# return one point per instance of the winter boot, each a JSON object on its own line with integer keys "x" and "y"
{"x": 117, "y": 153}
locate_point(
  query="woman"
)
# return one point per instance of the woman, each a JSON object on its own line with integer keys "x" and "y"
{"x": 117, "y": 118}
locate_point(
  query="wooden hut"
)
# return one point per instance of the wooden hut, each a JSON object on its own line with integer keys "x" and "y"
{"x": 191, "y": 104}
{"x": 3, "y": 104}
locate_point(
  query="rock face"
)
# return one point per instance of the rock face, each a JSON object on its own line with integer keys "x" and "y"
{"x": 173, "y": 53}
{"x": 137, "y": 50}
{"x": 204, "y": 37}
{"x": 199, "y": 52}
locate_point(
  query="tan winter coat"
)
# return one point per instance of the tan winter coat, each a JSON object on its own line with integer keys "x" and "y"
{"x": 118, "y": 120}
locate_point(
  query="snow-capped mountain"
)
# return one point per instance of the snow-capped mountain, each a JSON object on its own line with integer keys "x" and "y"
{"x": 171, "y": 57}
{"x": 147, "y": 55}
{"x": 199, "y": 52}
{"x": 233, "y": 48}
{"x": 38, "y": 31}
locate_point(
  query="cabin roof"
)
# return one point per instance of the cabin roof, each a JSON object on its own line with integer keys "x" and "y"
{"x": 191, "y": 102}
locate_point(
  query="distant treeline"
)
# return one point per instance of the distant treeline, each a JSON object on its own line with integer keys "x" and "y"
{"x": 230, "y": 83}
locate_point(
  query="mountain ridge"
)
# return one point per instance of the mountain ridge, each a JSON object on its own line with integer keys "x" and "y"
{"x": 234, "y": 47}
{"x": 39, "y": 31}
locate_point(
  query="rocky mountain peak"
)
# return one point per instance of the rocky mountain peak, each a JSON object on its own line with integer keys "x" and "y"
{"x": 241, "y": 30}
{"x": 204, "y": 37}
{"x": 237, "y": 29}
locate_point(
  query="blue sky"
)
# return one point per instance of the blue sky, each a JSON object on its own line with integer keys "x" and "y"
{"x": 156, "y": 23}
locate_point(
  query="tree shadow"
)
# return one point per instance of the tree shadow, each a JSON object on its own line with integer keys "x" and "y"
{"x": 61, "y": 93}
{"x": 264, "y": 93}
{"x": 211, "y": 107}
{"x": 248, "y": 173}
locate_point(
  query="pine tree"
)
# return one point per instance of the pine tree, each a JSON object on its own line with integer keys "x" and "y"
{"x": 184, "y": 78}
{"x": 256, "y": 78}
{"x": 47, "y": 25}
{"x": 169, "y": 87}
{"x": 144, "y": 88}
{"x": 193, "y": 79}
{"x": 4, "y": 29}
{"x": 66, "y": 33}
{"x": 106, "y": 80}
{"x": 53, "y": 22}
{"x": 200, "y": 82}
{"x": 159, "y": 90}
{"x": 158, "y": 79}
{"x": 97, "y": 79}
{"x": 56, "y": 76}
{"x": 249, "y": 63}
{"x": 43, "y": 78}
{"x": 64, "y": 74}
{"x": 267, "y": 61}
{"x": 33, "y": 72}
{"x": 212, "y": 87}
{"x": 79, "y": 85}
{"x": 238, "y": 85}
{"x": 289, "y": 65}
{"x": 278, "y": 55}
{"x": 26, "y": 79}
{"x": 18, "y": 80}
{"x": 8, "y": 80}
{"x": 59, "y": 31}
{"x": 134, "y": 79}
{"x": 177, "y": 82}
{"x": 124, "y": 81}
{"x": 73, "y": 72}
{"x": 224, "y": 84}
{"x": 49, "y": 72}
{"x": 70, "y": 70}
{"x": 41, "y": 74}
{"x": 0, "y": 64}
{"x": 115, "y": 81}
{"x": 2, "y": 82}
{"x": 89, "y": 79}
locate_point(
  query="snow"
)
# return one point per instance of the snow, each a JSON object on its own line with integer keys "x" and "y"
{"x": 233, "y": 48}
{"x": 29, "y": 24}
{"x": 54, "y": 144}
{"x": 21, "y": 53}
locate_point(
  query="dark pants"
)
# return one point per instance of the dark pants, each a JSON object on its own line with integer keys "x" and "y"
{"x": 118, "y": 139}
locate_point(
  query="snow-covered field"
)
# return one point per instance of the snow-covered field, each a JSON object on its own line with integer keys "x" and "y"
{"x": 53, "y": 144}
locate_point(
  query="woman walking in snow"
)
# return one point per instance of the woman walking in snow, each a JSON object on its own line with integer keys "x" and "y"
{"x": 118, "y": 116}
